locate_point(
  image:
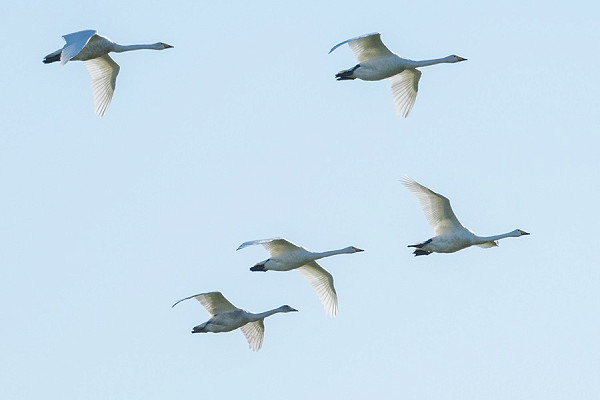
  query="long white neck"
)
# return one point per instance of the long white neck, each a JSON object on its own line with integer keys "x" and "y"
{"x": 425, "y": 63}
{"x": 345, "y": 250}
{"x": 484, "y": 239}
{"x": 119, "y": 48}
{"x": 262, "y": 315}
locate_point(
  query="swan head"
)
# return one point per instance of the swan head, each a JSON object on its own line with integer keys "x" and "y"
{"x": 162, "y": 46}
{"x": 286, "y": 308}
{"x": 454, "y": 58}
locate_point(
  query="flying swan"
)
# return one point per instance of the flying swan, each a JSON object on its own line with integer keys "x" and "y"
{"x": 450, "y": 235}
{"x": 225, "y": 317}
{"x": 286, "y": 256}
{"x": 93, "y": 49}
{"x": 377, "y": 62}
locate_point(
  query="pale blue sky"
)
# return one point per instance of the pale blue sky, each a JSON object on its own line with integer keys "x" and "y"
{"x": 241, "y": 132}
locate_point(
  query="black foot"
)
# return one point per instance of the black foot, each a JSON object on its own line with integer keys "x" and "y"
{"x": 420, "y": 252}
{"x": 52, "y": 59}
{"x": 345, "y": 75}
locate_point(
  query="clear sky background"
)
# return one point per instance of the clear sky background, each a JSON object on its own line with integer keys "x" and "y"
{"x": 241, "y": 132}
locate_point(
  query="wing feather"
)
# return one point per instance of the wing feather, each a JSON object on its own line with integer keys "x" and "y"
{"x": 436, "y": 207}
{"x": 74, "y": 43}
{"x": 103, "y": 71}
{"x": 322, "y": 282}
{"x": 274, "y": 246}
{"x": 255, "y": 333}
{"x": 366, "y": 46}
{"x": 214, "y": 302}
{"x": 405, "y": 87}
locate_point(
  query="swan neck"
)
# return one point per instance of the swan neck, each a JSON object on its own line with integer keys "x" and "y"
{"x": 346, "y": 250}
{"x": 119, "y": 48}
{"x": 425, "y": 63}
{"x": 265, "y": 314}
{"x": 484, "y": 239}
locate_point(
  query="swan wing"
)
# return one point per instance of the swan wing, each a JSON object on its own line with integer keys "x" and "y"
{"x": 255, "y": 333}
{"x": 366, "y": 46}
{"x": 487, "y": 245}
{"x": 214, "y": 302}
{"x": 74, "y": 43}
{"x": 436, "y": 207}
{"x": 274, "y": 246}
{"x": 103, "y": 71}
{"x": 322, "y": 281}
{"x": 405, "y": 86}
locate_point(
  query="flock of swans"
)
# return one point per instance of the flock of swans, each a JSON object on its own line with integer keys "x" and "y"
{"x": 375, "y": 62}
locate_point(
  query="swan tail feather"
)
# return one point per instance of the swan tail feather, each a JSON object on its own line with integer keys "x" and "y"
{"x": 420, "y": 245}
{"x": 346, "y": 75}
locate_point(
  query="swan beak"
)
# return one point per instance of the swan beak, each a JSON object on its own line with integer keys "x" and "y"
{"x": 293, "y": 309}
{"x": 461, "y": 59}
{"x": 523, "y": 232}
{"x": 167, "y": 46}
{"x": 356, "y": 249}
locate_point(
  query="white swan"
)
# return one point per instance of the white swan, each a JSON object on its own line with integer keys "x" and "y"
{"x": 225, "y": 317}
{"x": 286, "y": 256}
{"x": 450, "y": 235}
{"x": 93, "y": 49}
{"x": 376, "y": 62}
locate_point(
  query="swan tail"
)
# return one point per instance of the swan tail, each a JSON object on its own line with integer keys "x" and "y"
{"x": 346, "y": 75}
{"x": 52, "y": 57}
{"x": 420, "y": 245}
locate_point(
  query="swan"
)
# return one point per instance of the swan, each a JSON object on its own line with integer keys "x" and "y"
{"x": 93, "y": 49}
{"x": 225, "y": 317}
{"x": 377, "y": 62}
{"x": 450, "y": 235}
{"x": 286, "y": 256}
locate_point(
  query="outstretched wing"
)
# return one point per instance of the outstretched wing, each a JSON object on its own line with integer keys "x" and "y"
{"x": 254, "y": 332}
{"x": 405, "y": 86}
{"x": 214, "y": 302}
{"x": 322, "y": 281}
{"x": 103, "y": 71}
{"x": 74, "y": 43}
{"x": 436, "y": 207}
{"x": 274, "y": 246}
{"x": 366, "y": 46}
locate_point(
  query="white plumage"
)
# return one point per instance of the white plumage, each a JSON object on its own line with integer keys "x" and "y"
{"x": 377, "y": 62}
{"x": 450, "y": 234}
{"x": 286, "y": 256}
{"x": 93, "y": 49}
{"x": 225, "y": 317}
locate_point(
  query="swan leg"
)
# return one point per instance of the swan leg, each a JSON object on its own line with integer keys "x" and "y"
{"x": 259, "y": 267}
{"x": 52, "y": 57}
{"x": 347, "y": 74}
{"x": 420, "y": 252}
{"x": 199, "y": 328}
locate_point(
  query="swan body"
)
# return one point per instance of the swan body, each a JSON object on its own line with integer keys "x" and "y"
{"x": 93, "y": 49}
{"x": 450, "y": 234}
{"x": 286, "y": 256}
{"x": 226, "y": 317}
{"x": 377, "y": 62}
